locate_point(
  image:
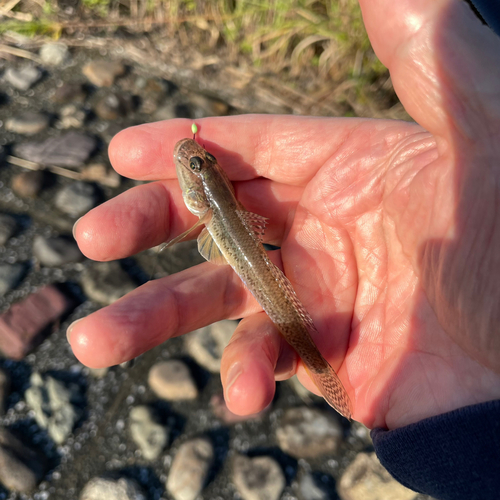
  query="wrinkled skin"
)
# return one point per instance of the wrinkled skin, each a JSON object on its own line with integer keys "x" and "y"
{"x": 389, "y": 231}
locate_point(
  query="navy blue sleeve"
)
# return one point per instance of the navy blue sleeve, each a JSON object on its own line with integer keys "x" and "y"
{"x": 490, "y": 12}
{"x": 454, "y": 456}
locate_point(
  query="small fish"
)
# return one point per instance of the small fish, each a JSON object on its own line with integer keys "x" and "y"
{"x": 233, "y": 236}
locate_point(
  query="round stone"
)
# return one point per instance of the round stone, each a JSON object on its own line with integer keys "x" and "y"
{"x": 77, "y": 198}
{"x": 150, "y": 436}
{"x": 190, "y": 468}
{"x": 56, "y": 251}
{"x": 54, "y": 53}
{"x": 24, "y": 77}
{"x": 28, "y": 184}
{"x": 308, "y": 432}
{"x": 112, "y": 489}
{"x": 172, "y": 380}
{"x": 27, "y": 123}
{"x": 103, "y": 73}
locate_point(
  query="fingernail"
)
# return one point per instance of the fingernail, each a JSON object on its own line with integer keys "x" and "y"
{"x": 232, "y": 375}
{"x": 74, "y": 227}
{"x": 70, "y": 327}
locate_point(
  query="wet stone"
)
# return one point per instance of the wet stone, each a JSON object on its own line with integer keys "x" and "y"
{"x": 366, "y": 479}
{"x": 22, "y": 78}
{"x": 57, "y": 406}
{"x": 106, "y": 282}
{"x": 149, "y": 435}
{"x": 28, "y": 184}
{"x": 56, "y": 251}
{"x": 203, "y": 106}
{"x": 206, "y": 345}
{"x": 4, "y": 389}
{"x": 21, "y": 468}
{"x": 71, "y": 116}
{"x": 25, "y": 324}
{"x": 67, "y": 93}
{"x": 308, "y": 432}
{"x": 8, "y": 226}
{"x": 310, "y": 489}
{"x": 259, "y": 478}
{"x": 28, "y": 123}
{"x": 77, "y": 198}
{"x": 10, "y": 276}
{"x": 172, "y": 380}
{"x": 54, "y": 53}
{"x": 103, "y": 73}
{"x": 102, "y": 174}
{"x": 112, "y": 107}
{"x": 112, "y": 489}
{"x": 190, "y": 467}
{"x": 71, "y": 149}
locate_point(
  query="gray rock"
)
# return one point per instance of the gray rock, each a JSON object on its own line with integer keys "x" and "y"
{"x": 106, "y": 282}
{"x": 71, "y": 149}
{"x": 10, "y": 275}
{"x": 203, "y": 106}
{"x": 190, "y": 469}
{"x": 71, "y": 116}
{"x": 308, "y": 432}
{"x": 56, "y": 251}
{"x": 259, "y": 478}
{"x": 366, "y": 479}
{"x": 8, "y": 226}
{"x": 309, "y": 489}
{"x": 172, "y": 380}
{"x": 103, "y": 73}
{"x": 54, "y": 53}
{"x": 22, "y": 78}
{"x": 112, "y": 106}
{"x": 4, "y": 389}
{"x": 165, "y": 112}
{"x": 21, "y": 468}
{"x": 77, "y": 198}
{"x": 112, "y": 489}
{"x": 28, "y": 123}
{"x": 28, "y": 184}
{"x": 206, "y": 345}
{"x": 70, "y": 93}
{"x": 57, "y": 406}
{"x": 150, "y": 436}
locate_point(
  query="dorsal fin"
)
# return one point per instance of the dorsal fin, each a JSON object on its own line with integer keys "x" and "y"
{"x": 253, "y": 222}
{"x": 209, "y": 249}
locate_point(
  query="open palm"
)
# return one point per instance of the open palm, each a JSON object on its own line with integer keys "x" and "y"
{"x": 388, "y": 232}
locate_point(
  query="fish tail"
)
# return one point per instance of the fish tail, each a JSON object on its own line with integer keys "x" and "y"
{"x": 332, "y": 389}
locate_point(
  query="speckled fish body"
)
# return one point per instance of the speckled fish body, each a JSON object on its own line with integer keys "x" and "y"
{"x": 233, "y": 236}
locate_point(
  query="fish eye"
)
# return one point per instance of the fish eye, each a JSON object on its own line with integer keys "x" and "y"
{"x": 195, "y": 163}
{"x": 210, "y": 157}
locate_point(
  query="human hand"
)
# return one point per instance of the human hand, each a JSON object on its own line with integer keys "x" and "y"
{"x": 388, "y": 232}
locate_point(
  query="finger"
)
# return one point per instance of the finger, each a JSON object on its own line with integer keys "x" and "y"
{"x": 281, "y": 148}
{"x": 160, "y": 310}
{"x": 444, "y": 63}
{"x": 153, "y": 213}
{"x": 256, "y": 356}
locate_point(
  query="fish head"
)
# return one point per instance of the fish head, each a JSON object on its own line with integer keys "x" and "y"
{"x": 191, "y": 162}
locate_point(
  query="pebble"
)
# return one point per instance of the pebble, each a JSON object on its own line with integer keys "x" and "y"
{"x": 190, "y": 467}
{"x": 206, "y": 345}
{"x": 259, "y": 478}
{"x": 22, "y": 325}
{"x": 77, "y": 198}
{"x": 150, "y": 436}
{"x": 4, "y": 389}
{"x": 56, "y": 405}
{"x": 97, "y": 172}
{"x": 8, "y": 226}
{"x": 10, "y": 276}
{"x": 71, "y": 149}
{"x": 28, "y": 123}
{"x": 99, "y": 372}
{"x": 366, "y": 479}
{"x": 103, "y": 73}
{"x": 309, "y": 489}
{"x": 29, "y": 184}
{"x": 68, "y": 92}
{"x": 172, "y": 380}
{"x": 112, "y": 107}
{"x": 71, "y": 116}
{"x": 21, "y": 468}
{"x": 56, "y": 251}
{"x": 309, "y": 432}
{"x": 203, "y": 106}
{"x": 106, "y": 282}
{"x": 54, "y": 53}
{"x": 23, "y": 78}
{"x": 112, "y": 489}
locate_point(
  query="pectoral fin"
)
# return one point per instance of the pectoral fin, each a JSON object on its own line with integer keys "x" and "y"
{"x": 209, "y": 249}
{"x": 204, "y": 219}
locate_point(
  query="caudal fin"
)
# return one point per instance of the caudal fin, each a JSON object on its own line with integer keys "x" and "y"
{"x": 330, "y": 386}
